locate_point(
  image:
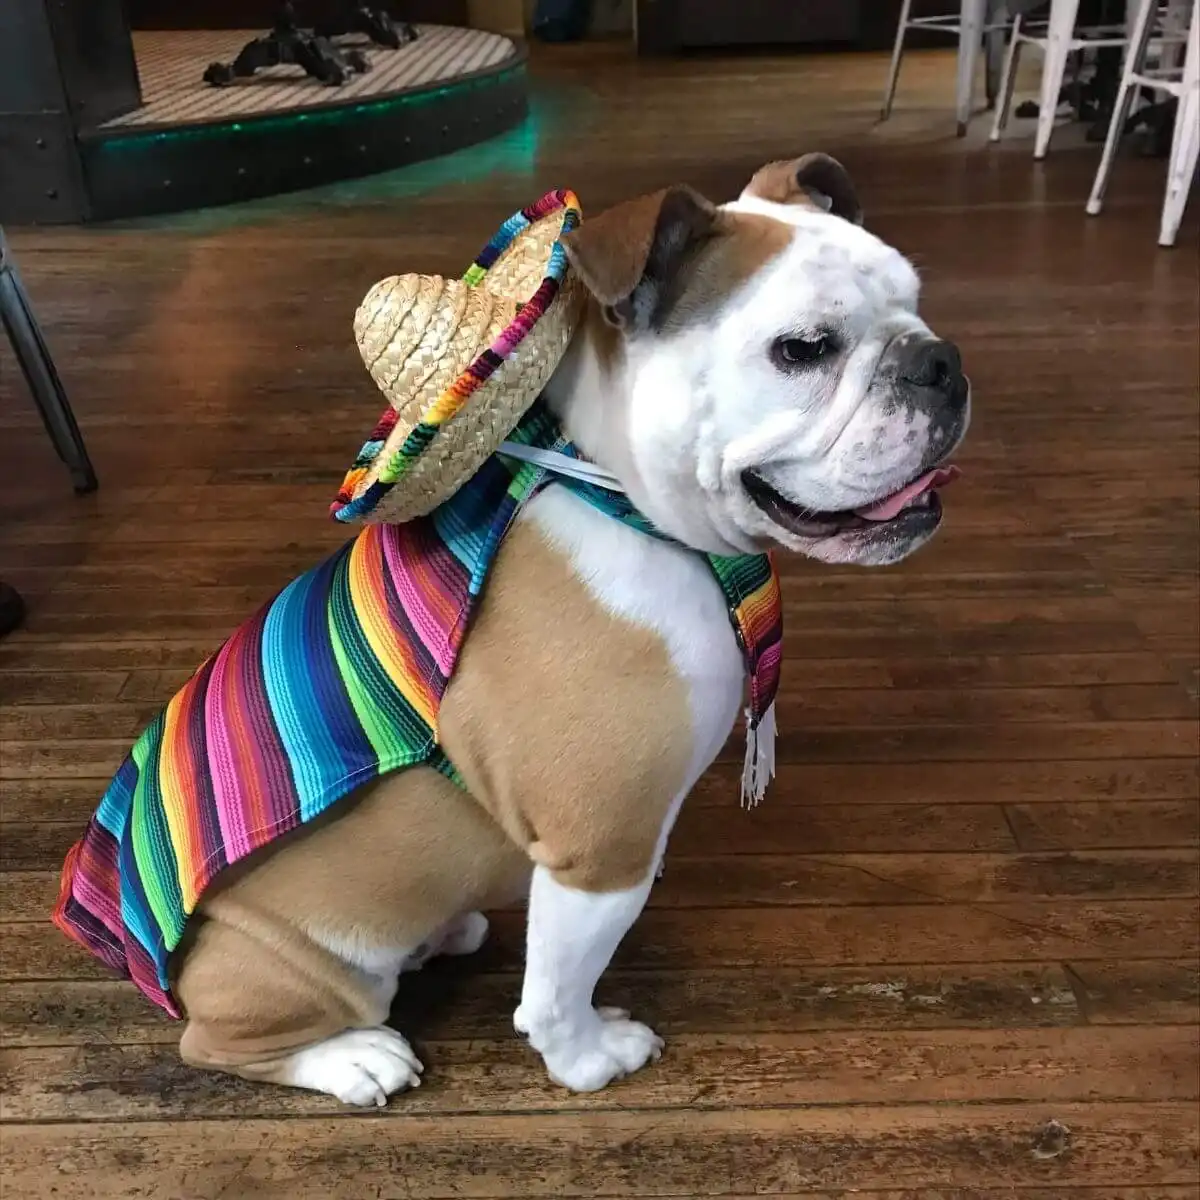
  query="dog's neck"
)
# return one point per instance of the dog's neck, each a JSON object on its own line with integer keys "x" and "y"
{"x": 589, "y": 394}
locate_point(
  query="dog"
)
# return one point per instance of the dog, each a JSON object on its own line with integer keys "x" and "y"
{"x": 756, "y": 374}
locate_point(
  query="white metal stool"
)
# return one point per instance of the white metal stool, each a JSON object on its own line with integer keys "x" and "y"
{"x": 979, "y": 21}
{"x": 1184, "y": 85}
{"x": 1058, "y": 39}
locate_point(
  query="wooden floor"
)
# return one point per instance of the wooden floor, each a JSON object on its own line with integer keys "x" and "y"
{"x": 954, "y": 954}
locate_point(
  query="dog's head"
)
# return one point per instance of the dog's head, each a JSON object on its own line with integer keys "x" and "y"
{"x": 767, "y": 375}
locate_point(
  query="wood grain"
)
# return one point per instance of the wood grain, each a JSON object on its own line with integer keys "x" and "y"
{"x": 649, "y": 1153}
{"x": 701, "y": 1072}
{"x": 969, "y": 904}
{"x": 450, "y": 1000}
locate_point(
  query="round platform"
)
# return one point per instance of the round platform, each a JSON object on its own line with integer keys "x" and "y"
{"x": 191, "y": 145}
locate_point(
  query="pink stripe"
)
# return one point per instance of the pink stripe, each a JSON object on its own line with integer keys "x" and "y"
{"x": 414, "y": 599}
{"x": 771, "y": 656}
{"x": 222, "y": 759}
{"x": 101, "y": 901}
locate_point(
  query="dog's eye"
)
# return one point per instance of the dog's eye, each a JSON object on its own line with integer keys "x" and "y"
{"x": 799, "y": 352}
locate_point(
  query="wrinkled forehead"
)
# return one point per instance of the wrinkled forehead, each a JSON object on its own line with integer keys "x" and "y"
{"x": 828, "y": 268}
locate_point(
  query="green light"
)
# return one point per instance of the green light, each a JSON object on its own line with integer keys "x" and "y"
{"x": 116, "y": 141}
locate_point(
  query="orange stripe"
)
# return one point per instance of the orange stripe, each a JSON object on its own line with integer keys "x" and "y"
{"x": 369, "y": 597}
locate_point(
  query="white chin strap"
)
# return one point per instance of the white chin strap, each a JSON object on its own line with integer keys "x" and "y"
{"x": 563, "y": 464}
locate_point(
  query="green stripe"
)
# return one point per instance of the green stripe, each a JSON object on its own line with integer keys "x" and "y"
{"x": 152, "y": 848}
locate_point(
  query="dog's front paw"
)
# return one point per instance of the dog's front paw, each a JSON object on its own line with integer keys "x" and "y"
{"x": 602, "y": 1049}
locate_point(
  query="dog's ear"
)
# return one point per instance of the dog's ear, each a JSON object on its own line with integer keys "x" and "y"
{"x": 815, "y": 180}
{"x": 628, "y": 256}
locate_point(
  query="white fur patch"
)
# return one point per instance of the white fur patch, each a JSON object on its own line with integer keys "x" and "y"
{"x": 362, "y": 1067}
{"x": 572, "y": 937}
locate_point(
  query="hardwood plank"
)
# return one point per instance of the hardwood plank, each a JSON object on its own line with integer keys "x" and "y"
{"x": 99, "y": 1082}
{"x": 1066, "y": 625}
{"x": 881, "y": 708}
{"x": 104, "y": 654}
{"x": 96, "y": 757}
{"x": 999, "y": 781}
{"x": 1070, "y": 826}
{"x": 459, "y": 1000}
{"x": 744, "y": 880}
{"x": 32, "y": 722}
{"x": 42, "y": 797}
{"x": 1021, "y": 670}
{"x": 954, "y": 743}
{"x": 1039, "y": 931}
{"x": 42, "y": 845}
{"x": 1007, "y": 1193}
{"x": 59, "y": 687}
{"x": 803, "y": 879}
{"x": 864, "y": 829}
{"x": 1126, "y": 993}
{"x": 633, "y": 1153}
{"x": 896, "y": 706}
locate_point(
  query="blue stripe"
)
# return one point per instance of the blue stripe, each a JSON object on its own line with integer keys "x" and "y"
{"x": 351, "y": 752}
{"x": 113, "y": 811}
{"x": 299, "y": 718}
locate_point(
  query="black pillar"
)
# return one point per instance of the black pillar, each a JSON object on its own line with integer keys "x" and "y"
{"x": 66, "y": 66}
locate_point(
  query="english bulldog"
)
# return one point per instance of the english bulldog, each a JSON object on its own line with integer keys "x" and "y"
{"x": 756, "y": 375}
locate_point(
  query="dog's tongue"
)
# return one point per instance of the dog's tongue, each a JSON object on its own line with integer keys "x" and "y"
{"x": 886, "y": 509}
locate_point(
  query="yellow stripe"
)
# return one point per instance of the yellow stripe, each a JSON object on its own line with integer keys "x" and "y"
{"x": 370, "y": 606}
{"x": 176, "y": 787}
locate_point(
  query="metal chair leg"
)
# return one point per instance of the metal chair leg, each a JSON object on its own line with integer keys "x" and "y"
{"x": 889, "y": 92}
{"x": 37, "y": 366}
{"x": 1059, "y": 38}
{"x": 970, "y": 42}
{"x": 1134, "y": 57}
{"x": 1008, "y": 81}
{"x": 993, "y": 42}
{"x": 1185, "y": 146}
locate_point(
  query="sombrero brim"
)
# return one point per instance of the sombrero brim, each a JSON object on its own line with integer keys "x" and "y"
{"x": 425, "y": 447}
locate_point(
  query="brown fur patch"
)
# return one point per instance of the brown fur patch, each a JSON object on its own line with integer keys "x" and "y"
{"x": 722, "y": 266}
{"x": 813, "y": 181}
{"x": 388, "y": 867}
{"x": 582, "y": 773}
{"x": 776, "y": 182}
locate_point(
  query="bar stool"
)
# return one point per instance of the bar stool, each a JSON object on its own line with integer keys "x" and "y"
{"x": 1058, "y": 39}
{"x": 1182, "y": 83}
{"x": 978, "y": 21}
{"x": 37, "y": 366}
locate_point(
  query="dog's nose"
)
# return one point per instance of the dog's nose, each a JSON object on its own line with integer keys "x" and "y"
{"x": 932, "y": 363}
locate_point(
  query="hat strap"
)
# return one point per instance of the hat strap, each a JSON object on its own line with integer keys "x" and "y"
{"x": 563, "y": 464}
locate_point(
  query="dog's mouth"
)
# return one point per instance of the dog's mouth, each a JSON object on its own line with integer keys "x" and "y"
{"x": 912, "y": 508}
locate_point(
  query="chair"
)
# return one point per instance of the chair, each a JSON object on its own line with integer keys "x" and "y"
{"x": 979, "y": 21}
{"x": 38, "y": 368}
{"x": 1058, "y": 39}
{"x": 1182, "y": 83}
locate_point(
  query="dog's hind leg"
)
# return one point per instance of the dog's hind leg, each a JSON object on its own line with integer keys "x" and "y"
{"x": 268, "y": 1003}
{"x": 289, "y": 971}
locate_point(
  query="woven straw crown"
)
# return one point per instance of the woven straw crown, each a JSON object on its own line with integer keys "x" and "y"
{"x": 460, "y": 362}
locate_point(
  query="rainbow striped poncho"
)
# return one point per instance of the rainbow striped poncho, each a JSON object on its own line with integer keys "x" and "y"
{"x": 336, "y": 681}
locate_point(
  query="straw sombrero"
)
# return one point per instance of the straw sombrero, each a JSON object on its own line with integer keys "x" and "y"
{"x": 460, "y": 362}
